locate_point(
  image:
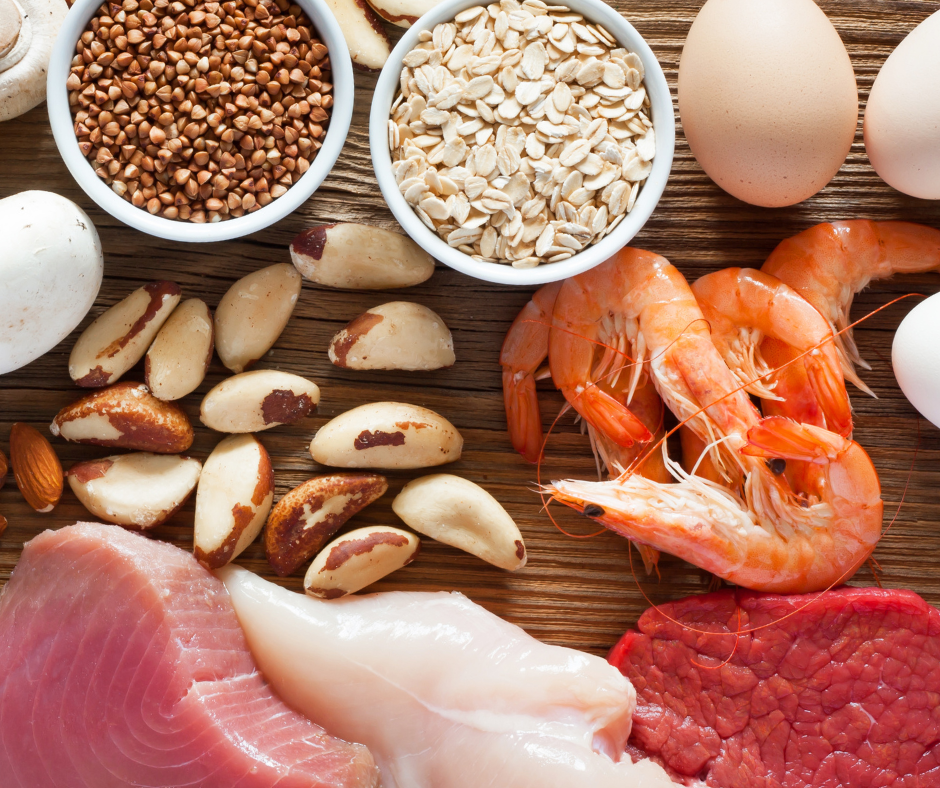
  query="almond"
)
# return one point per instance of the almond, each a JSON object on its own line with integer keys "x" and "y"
{"x": 308, "y": 515}
{"x": 257, "y": 400}
{"x": 36, "y": 467}
{"x": 233, "y": 499}
{"x": 128, "y": 416}
{"x": 397, "y": 335}
{"x": 359, "y": 257}
{"x": 458, "y": 512}
{"x": 3, "y": 524}
{"x": 387, "y": 435}
{"x": 253, "y": 313}
{"x": 138, "y": 491}
{"x": 358, "y": 559}
{"x": 120, "y": 336}
{"x": 179, "y": 357}
{"x": 4, "y": 469}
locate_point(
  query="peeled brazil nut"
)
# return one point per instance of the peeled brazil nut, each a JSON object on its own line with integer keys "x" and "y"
{"x": 179, "y": 357}
{"x": 458, "y": 512}
{"x": 254, "y": 401}
{"x": 397, "y": 335}
{"x": 308, "y": 515}
{"x": 253, "y": 313}
{"x": 138, "y": 491}
{"x": 233, "y": 499}
{"x": 360, "y": 257}
{"x": 120, "y": 336}
{"x": 128, "y": 416}
{"x": 358, "y": 559}
{"x": 387, "y": 435}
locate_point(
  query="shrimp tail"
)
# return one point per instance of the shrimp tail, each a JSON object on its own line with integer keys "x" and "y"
{"x": 607, "y": 415}
{"x": 829, "y": 388}
{"x": 523, "y": 418}
{"x": 779, "y": 437}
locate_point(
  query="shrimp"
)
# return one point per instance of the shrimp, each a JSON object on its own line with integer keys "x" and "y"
{"x": 781, "y": 538}
{"x": 524, "y": 350}
{"x": 829, "y": 263}
{"x": 743, "y": 306}
{"x": 637, "y": 300}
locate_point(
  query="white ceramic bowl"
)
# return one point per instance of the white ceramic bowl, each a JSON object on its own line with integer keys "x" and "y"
{"x": 663, "y": 123}
{"x": 60, "y": 118}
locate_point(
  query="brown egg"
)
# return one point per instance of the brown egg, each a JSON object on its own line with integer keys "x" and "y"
{"x": 768, "y": 98}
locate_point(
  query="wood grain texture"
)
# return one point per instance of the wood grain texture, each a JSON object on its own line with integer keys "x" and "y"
{"x": 577, "y": 592}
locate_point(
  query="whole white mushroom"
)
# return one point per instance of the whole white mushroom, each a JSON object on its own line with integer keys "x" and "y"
{"x": 50, "y": 271}
{"x": 27, "y": 31}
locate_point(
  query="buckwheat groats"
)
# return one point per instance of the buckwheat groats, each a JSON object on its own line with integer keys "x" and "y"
{"x": 200, "y": 111}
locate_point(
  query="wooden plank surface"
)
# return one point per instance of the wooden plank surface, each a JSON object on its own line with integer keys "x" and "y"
{"x": 577, "y": 592}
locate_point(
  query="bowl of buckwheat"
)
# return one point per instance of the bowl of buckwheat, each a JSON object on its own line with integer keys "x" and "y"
{"x": 200, "y": 121}
{"x": 522, "y": 142}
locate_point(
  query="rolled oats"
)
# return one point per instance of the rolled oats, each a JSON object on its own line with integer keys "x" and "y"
{"x": 521, "y": 133}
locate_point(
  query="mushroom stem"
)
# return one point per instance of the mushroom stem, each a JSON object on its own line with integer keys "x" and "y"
{"x": 11, "y": 25}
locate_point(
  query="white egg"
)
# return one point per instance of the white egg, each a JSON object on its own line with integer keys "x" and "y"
{"x": 902, "y": 120}
{"x": 50, "y": 271}
{"x": 915, "y": 356}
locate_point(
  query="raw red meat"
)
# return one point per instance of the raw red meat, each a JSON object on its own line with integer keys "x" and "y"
{"x": 845, "y": 693}
{"x": 122, "y": 663}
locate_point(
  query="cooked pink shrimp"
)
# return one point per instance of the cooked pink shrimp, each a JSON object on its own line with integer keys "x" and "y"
{"x": 524, "y": 350}
{"x": 829, "y": 263}
{"x": 743, "y": 306}
{"x": 780, "y": 539}
{"x": 638, "y": 303}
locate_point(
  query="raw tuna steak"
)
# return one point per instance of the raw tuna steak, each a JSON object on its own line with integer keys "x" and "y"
{"x": 843, "y": 693}
{"x": 122, "y": 663}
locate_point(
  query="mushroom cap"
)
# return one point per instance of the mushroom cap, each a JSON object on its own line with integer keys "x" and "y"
{"x": 50, "y": 271}
{"x": 10, "y": 24}
{"x": 28, "y": 29}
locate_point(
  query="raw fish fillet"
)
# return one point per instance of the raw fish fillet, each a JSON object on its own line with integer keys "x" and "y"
{"x": 445, "y": 694}
{"x": 840, "y": 693}
{"x": 122, "y": 664}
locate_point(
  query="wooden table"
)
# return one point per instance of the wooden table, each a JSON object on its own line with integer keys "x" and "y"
{"x": 577, "y": 592}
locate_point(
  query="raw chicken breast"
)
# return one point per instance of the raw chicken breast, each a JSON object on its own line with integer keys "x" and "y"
{"x": 445, "y": 694}
{"x": 122, "y": 663}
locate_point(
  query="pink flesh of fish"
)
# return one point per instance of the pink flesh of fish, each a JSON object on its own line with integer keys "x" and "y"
{"x": 122, "y": 663}
{"x": 444, "y": 693}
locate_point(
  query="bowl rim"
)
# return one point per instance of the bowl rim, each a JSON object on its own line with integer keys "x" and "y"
{"x": 60, "y": 118}
{"x": 662, "y": 115}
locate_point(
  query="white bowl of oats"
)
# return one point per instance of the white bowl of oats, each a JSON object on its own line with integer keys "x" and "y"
{"x": 522, "y": 142}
